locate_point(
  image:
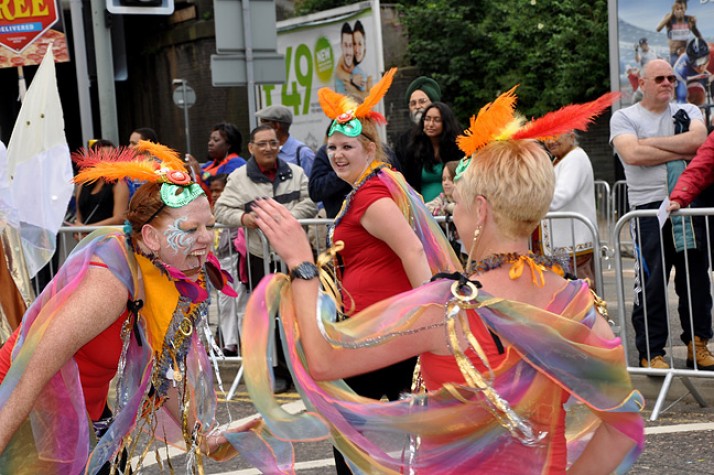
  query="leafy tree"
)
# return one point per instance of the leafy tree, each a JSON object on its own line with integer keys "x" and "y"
{"x": 304, "y": 7}
{"x": 556, "y": 50}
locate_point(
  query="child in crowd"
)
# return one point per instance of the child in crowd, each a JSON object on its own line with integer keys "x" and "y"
{"x": 443, "y": 205}
{"x": 230, "y": 310}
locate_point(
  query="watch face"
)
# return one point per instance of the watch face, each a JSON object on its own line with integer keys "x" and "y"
{"x": 305, "y": 271}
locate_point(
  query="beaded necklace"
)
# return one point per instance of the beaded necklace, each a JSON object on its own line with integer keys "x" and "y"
{"x": 371, "y": 171}
{"x": 535, "y": 262}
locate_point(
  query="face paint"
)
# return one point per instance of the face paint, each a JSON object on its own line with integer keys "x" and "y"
{"x": 186, "y": 236}
{"x": 178, "y": 239}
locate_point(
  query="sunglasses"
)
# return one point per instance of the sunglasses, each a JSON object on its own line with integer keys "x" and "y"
{"x": 660, "y": 79}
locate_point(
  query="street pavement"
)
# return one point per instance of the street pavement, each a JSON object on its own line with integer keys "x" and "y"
{"x": 679, "y": 441}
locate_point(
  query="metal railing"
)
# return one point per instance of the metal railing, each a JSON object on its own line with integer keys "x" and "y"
{"x": 632, "y": 219}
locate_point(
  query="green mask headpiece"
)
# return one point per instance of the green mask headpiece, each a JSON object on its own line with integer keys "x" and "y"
{"x": 461, "y": 168}
{"x": 346, "y": 124}
{"x": 176, "y": 196}
{"x": 178, "y": 189}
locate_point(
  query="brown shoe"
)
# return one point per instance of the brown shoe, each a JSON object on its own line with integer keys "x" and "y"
{"x": 705, "y": 359}
{"x": 657, "y": 362}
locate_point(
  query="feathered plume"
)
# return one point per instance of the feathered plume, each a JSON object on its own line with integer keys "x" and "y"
{"x": 491, "y": 121}
{"x": 375, "y": 94}
{"x": 168, "y": 157}
{"x": 335, "y": 104}
{"x": 499, "y": 121}
{"x": 147, "y": 162}
{"x": 143, "y": 170}
{"x": 574, "y": 116}
{"x": 87, "y": 158}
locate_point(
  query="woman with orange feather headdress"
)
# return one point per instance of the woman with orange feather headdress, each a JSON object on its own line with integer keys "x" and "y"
{"x": 129, "y": 304}
{"x": 381, "y": 251}
{"x": 501, "y": 352}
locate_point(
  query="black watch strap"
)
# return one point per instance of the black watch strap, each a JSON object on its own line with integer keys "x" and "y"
{"x": 305, "y": 271}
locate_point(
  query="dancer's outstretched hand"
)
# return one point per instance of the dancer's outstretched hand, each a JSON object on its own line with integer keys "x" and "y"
{"x": 286, "y": 235}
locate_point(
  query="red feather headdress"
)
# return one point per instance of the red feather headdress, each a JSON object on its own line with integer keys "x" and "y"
{"x": 498, "y": 121}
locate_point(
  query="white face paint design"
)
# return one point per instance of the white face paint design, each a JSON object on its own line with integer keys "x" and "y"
{"x": 178, "y": 239}
{"x": 186, "y": 235}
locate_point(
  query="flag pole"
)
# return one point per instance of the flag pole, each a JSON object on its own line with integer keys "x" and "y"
{"x": 21, "y": 84}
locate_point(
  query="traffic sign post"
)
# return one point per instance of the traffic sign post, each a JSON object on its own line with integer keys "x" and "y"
{"x": 184, "y": 97}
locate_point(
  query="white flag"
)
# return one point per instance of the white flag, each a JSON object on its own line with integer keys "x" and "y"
{"x": 39, "y": 167}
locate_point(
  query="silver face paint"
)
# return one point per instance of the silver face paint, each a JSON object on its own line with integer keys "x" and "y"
{"x": 178, "y": 239}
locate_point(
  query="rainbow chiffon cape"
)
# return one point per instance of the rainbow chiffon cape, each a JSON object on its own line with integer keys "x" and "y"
{"x": 58, "y": 438}
{"x": 453, "y": 429}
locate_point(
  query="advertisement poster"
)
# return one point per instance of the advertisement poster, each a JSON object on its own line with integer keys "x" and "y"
{"x": 26, "y": 31}
{"x": 335, "y": 49}
{"x": 680, "y": 32}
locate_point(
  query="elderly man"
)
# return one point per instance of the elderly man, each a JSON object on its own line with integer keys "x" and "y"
{"x": 264, "y": 175}
{"x": 420, "y": 94}
{"x": 653, "y": 138}
{"x": 279, "y": 118}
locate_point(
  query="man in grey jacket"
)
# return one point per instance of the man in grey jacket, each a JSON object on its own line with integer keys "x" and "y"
{"x": 264, "y": 176}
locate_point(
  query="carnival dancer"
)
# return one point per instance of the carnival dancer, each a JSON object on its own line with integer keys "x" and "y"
{"x": 505, "y": 347}
{"x": 131, "y": 305}
{"x": 382, "y": 255}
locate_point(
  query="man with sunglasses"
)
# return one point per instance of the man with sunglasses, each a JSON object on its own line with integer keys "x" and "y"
{"x": 654, "y": 139}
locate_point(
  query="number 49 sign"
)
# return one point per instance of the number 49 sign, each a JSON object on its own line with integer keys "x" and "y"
{"x": 335, "y": 49}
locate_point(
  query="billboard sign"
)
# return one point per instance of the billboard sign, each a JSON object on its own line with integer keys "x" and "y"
{"x": 27, "y": 28}
{"x": 677, "y": 31}
{"x": 337, "y": 49}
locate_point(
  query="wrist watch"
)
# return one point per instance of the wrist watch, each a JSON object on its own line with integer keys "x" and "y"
{"x": 305, "y": 271}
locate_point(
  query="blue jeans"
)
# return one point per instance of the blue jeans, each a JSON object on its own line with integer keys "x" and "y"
{"x": 650, "y": 276}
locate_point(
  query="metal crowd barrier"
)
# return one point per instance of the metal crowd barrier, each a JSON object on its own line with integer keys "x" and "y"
{"x": 619, "y": 206}
{"x": 624, "y": 310}
{"x": 317, "y": 232}
{"x": 569, "y": 251}
{"x": 603, "y": 210}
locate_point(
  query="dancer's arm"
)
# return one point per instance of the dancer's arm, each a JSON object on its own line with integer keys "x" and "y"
{"x": 98, "y": 301}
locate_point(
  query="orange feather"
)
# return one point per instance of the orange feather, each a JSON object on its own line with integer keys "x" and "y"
{"x": 565, "y": 119}
{"x": 491, "y": 120}
{"x": 375, "y": 94}
{"x": 332, "y": 102}
{"x": 113, "y": 171}
{"x": 169, "y": 158}
{"x": 89, "y": 157}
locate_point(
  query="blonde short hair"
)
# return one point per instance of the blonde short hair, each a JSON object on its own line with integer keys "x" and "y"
{"x": 517, "y": 179}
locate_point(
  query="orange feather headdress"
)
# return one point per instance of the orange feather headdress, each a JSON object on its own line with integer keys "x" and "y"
{"x": 498, "y": 120}
{"x": 346, "y": 113}
{"x": 148, "y": 162}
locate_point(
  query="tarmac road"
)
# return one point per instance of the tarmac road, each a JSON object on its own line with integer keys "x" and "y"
{"x": 679, "y": 442}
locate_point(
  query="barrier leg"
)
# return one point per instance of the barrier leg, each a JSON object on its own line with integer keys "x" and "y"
{"x": 661, "y": 396}
{"x": 236, "y": 382}
{"x": 693, "y": 391}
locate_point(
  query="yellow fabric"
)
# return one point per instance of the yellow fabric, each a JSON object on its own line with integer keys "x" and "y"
{"x": 159, "y": 309}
